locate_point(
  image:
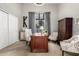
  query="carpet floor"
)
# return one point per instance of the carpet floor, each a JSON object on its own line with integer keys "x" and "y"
{"x": 20, "y": 49}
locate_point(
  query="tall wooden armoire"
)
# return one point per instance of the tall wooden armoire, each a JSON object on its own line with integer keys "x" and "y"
{"x": 65, "y": 29}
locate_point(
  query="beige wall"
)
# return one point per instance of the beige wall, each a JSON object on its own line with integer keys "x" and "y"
{"x": 23, "y": 9}
{"x": 58, "y": 11}
{"x": 45, "y": 8}
{"x": 70, "y": 10}
{"x": 12, "y": 8}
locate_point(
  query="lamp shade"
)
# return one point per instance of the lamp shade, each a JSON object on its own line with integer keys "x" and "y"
{"x": 41, "y": 27}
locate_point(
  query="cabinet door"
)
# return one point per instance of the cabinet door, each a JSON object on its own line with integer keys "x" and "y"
{"x": 61, "y": 29}
{"x": 69, "y": 28}
{"x": 3, "y": 29}
{"x": 16, "y": 31}
{"x": 13, "y": 29}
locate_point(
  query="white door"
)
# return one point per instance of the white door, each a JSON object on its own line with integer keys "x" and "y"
{"x": 16, "y": 32}
{"x": 3, "y": 29}
{"x": 13, "y": 29}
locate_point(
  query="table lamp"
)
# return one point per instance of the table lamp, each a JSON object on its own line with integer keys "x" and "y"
{"x": 41, "y": 28}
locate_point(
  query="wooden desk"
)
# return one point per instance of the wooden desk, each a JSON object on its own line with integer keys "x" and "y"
{"x": 39, "y": 44}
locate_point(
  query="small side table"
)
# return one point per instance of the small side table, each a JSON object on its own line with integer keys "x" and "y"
{"x": 22, "y": 35}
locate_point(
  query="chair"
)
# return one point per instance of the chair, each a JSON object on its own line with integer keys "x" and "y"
{"x": 70, "y": 45}
{"x": 28, "y": 34}
{"x": 53, "y": 36}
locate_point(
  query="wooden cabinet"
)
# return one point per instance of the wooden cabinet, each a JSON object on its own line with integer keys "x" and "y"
{"x": 64, "y": 29}
{"x": 39, "y": 44}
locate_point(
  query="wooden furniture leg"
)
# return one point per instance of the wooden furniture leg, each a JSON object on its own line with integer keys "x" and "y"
{"x": 62, "y": 53}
